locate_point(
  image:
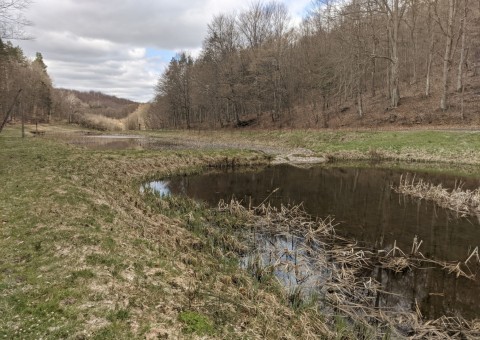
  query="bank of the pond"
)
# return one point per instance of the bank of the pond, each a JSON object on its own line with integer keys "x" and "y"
{"x": 83, "y": 254}
{"x": 443, "y": 146}
{"x": 366, "y": 210}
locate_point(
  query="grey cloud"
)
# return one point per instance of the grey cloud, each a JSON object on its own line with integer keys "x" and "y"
{"x": 163, "y": 24}
{"x": 100, "y": 44}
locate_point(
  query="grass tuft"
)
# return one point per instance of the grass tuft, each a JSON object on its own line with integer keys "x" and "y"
{"x": 196, "y": 323}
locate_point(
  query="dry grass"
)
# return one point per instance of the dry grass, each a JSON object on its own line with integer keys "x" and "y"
{"x": 102, "y": 123}
{"x": 136, "y": 120}
{"x": 464, "y": 202}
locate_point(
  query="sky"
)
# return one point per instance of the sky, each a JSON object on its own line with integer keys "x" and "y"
{"x": 121, "y": 47}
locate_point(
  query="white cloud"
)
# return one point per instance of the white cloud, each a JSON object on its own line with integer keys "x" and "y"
{"x": 137, "y": 52}
{"x": 121, "y": 47}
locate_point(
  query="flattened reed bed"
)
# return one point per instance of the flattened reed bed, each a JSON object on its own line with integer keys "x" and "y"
{"x": 345, "y": 288}
{"x": 463, "y": 201}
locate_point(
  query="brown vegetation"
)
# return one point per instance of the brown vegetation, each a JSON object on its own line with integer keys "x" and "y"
{"x": 92, "y": 109}
{"x": 347, "y": 290}
{"x": 464, "y": 202}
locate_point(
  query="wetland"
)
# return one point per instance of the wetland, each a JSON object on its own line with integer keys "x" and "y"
{"x": 365, "y": 209}
{"x": 85, "y": 254}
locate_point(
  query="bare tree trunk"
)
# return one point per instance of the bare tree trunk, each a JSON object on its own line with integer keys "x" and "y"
{"x": 463, "y": 102}
{"x": 430, "y": 52}
{"x": 415, "y": 49}
{"x": 4, "y": 122}
{"x": 374, "y": 66}
{"x": 462, "y": 51}
{"x": 413, "y": 38}
{"x": 375, "y": 42}
{"x": 429, "y": 65}
{"x": 359, "y": 102}
{"x": 395, "y": 78}
{"x": 389, "y": 74}
{"x": 447, "y": 59}
{"x": 395, "y": 13}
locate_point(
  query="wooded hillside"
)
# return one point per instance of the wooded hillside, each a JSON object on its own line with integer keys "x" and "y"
{"x": 25, "y": 87}
{"x": 26, "y": 92}
{"x": 355, "y": 62}
{"x": 79, "y": 103}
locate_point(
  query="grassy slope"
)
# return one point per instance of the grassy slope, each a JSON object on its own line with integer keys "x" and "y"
{"x": 82, "y": 253}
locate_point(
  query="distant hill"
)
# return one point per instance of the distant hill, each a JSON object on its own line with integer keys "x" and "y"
{"x": 98, "y": 103}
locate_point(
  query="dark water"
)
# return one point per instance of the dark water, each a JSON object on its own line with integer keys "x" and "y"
{"x": 369, "y": 211}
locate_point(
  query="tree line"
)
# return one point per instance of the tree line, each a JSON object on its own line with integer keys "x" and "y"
{"x": 255, "y": 63}
{"x": 26, "y": 89}
{"x": 27, "y": 81}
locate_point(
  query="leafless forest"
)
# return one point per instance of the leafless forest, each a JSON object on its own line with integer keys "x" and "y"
{"x": 349, "y": 61}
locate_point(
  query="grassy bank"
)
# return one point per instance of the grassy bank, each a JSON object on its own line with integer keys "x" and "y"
{"x": 456, "y": 147}
{"x": 84, "y": 254}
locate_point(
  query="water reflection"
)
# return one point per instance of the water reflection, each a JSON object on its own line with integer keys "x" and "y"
{"x": 373, "y": 214}
{"x": 361, "y": 200}
{"x": 117, "y": 142}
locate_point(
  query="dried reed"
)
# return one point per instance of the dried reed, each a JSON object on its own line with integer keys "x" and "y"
{"x": 464, "y": 202}
{"x": 289, "y": 241}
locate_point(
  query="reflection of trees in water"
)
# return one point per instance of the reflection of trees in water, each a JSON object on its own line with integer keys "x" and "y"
{"x": 373, "y": 214}
{"x": 361, "y": 199}
{"x": 436, "y": 291}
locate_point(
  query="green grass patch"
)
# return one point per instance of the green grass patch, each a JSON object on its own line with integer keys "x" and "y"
{"x": 196, "y": 323}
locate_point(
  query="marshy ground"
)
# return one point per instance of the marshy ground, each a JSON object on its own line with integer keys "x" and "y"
{"x": 84, "y": 254}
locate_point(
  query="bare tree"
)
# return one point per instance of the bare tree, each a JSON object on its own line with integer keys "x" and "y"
{"x": 431, "y": 50}
{"x": 447, "y": 59}
{"x": 222, "y": 37}
{"x": 176, "y": 85}
{"x": 261, "y": 22}
{"x": 253, "y": 64}
{"x": 412, "y": 24}
{"x": 12, "y": 19}
{"x": 394, "y": 10}
{"x": 463, "y": 49}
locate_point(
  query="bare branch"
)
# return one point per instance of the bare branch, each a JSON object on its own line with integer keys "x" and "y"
{"x": 12, "y": 19}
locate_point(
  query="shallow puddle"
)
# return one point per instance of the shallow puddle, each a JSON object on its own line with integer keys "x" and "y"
{"x": 368, "y": 211}
{"x": 118, "y": 142}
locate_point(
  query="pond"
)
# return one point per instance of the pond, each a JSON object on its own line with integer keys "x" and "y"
{"x": 365, "y": 209}
{"x": 115, "y": 142}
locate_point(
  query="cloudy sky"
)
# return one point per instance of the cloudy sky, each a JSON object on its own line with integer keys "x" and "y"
{"x": 121, "y": 47}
